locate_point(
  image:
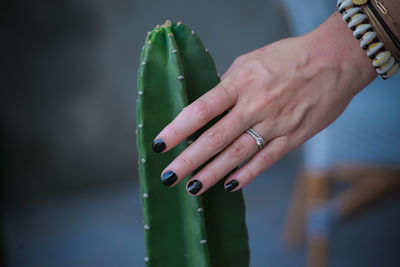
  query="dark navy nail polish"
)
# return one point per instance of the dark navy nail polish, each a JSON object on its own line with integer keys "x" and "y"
{"x": 231, "y": 185}
{"x": 194, "y": 187}
{"x": 168, "y": 178}
{"x": 159, "y": 145}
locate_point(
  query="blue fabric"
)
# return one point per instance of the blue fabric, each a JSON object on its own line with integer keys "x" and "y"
{"x": 368, "y": 132}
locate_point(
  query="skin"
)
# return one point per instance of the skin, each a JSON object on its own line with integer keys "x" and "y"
{"x": 287, "y": 91}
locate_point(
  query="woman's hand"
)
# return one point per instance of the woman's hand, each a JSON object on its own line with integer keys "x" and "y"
{"x": 287, "y": 92}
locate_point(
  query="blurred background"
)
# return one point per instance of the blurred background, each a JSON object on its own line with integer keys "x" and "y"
{"x": 69, "y": 175}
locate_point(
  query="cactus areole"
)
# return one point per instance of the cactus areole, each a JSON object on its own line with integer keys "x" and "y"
{"x": 181, "y": 230}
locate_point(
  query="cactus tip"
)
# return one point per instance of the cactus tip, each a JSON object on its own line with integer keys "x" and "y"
{"x": 179, "y": 23}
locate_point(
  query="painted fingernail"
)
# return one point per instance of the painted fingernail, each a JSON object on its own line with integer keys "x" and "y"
{"x": 231, "y": 185}
{"x": 168, "y": 178}
{"x": 159, "y": 145}
{"x": 194, "y": 187}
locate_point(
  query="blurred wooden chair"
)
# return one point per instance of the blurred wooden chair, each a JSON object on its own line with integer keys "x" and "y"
{"x": 314, "y": 209}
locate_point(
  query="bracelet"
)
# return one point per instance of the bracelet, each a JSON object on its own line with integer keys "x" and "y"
{"x": 382, "y": 59}
{"x": 384, "y": 32}
{"x": 385, "y": 12}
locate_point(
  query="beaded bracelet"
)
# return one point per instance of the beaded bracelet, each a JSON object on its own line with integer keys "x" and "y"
{"x": 382, "y": 59}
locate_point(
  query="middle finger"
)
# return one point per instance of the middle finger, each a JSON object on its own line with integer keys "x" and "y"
{"x": 206, "y": 146}
{"x": 234, "y": 155}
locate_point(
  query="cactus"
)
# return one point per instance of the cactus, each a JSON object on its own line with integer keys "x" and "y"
{"x": 181, "y": 230}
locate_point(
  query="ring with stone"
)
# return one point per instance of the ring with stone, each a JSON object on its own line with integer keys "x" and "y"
{"x": 258, "y": 138}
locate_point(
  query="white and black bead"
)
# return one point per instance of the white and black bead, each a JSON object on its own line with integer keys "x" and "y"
{"x": 382, "y": 59}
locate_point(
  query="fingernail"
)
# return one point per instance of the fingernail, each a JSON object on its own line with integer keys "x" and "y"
{"x": 159, "y": 145}
{"x": 168, "y": 178}
{"x": 194, "y": 187}
{"x": 231, "y": 185}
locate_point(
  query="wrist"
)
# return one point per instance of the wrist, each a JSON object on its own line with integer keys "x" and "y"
{"x": 334, "y": 44}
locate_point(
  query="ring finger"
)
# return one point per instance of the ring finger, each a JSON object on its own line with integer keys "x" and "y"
{"x": 233, "y": 155}
{"x": 205, "y": 147}
{"x": 271, "y": 153}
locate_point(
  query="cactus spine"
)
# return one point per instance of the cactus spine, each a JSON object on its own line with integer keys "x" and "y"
{"x": 181, "y": 230}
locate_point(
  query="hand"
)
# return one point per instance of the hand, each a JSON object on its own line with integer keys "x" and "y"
{"x": 287, "y": 92}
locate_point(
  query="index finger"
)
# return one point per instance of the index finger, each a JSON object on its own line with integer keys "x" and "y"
{"x": 196, "y": 115}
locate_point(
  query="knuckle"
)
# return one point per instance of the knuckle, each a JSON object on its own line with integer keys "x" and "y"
{"x": 238, "y": 151}
{"x": 247, "y": 175}
{"x": 237, "y": 117}
{"x": 229, "y": 88}
{"x": 244, "y": 77}
{"x": 266, "y": 160}
{"x": 185, "y": 163}
{"x": 201, "y": 110}
{"x": 260, "y": 105}
{"x": 247, "y": 76}
{"x": 171, "y": 130}
{"x": 215, "y": 138}
{"x": 239, "y": 60}
{"x": 212, "y": 176}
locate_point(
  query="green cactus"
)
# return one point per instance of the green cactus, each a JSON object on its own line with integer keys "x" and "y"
{"x": 181, "y": 230}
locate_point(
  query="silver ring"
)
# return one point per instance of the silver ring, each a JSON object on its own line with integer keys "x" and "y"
{"x": 259, "y": 140}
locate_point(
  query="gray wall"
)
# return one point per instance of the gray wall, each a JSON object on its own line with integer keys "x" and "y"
{"x": 70, "y": 88}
